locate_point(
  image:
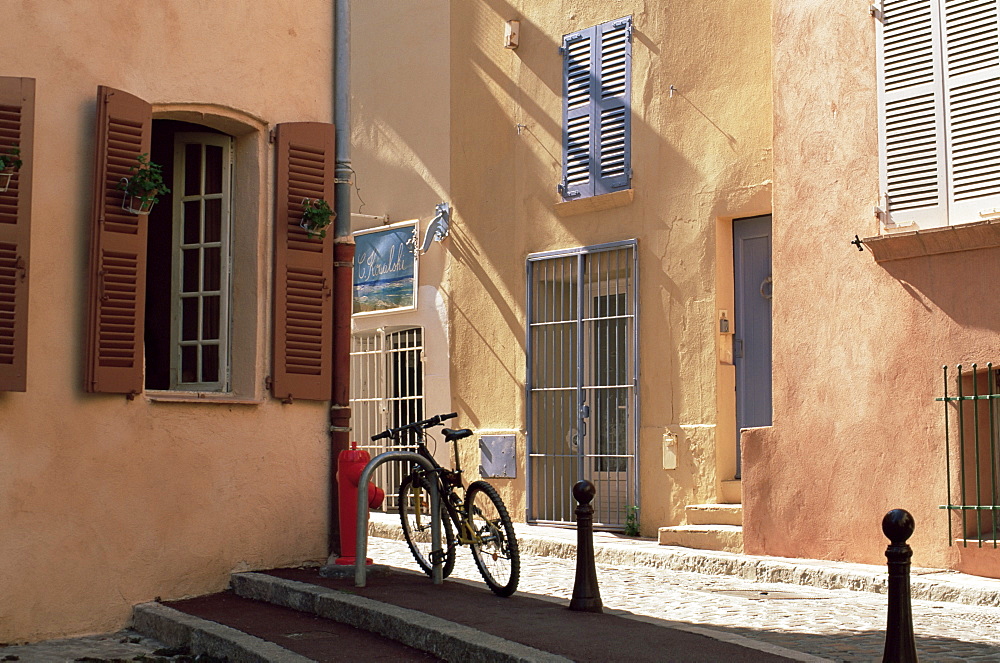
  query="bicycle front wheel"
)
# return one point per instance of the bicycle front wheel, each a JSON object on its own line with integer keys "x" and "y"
{"x": 415, "y": 515}
{"x": 494, "y": 546}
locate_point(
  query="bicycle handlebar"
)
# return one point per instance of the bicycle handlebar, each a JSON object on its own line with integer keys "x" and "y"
{"x": 436, "y": 420}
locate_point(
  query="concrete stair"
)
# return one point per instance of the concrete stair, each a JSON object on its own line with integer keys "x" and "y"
{"x": 260, "y": 593}
{"x": 709, "y": 527}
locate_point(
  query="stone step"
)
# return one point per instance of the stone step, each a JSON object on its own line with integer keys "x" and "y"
{"x": 727, "y": 538}
{"x": 714, "y": 514}
{"x": 311, "y": 624}
{"x": 201, "y": 637}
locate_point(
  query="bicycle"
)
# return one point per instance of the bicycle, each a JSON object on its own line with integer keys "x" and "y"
{"x": 480, "y": 521}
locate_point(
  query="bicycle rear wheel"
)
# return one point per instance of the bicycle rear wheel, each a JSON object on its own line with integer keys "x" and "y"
{"x": 415, "y": 515}
{"x": 495, "y": 547}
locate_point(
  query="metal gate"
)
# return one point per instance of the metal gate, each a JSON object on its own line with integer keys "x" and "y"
{"x": 582, "y": 377}
{"x": 387, "y": 390}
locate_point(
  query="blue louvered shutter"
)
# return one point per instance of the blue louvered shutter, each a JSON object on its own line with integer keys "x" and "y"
{"x": 613, "y": 121}
{"x": 578, "y": 112}
{"x": 597, "y": 77}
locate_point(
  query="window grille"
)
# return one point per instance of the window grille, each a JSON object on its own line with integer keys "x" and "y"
{"x": 387, "y": 390}
{"x": 972, "y": 455}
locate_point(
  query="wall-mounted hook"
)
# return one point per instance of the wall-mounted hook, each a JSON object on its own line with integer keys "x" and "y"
{"x": 672, "y": 90}
{"x": 520, "y": 126}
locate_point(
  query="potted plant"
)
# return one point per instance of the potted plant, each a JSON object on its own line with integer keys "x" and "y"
{"x": 9, "y": 163}
{"x": 143, "y": 186}
{"x": 316, "y": 216}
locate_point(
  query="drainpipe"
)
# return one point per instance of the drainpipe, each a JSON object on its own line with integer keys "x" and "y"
{"x": 343, "y": 262}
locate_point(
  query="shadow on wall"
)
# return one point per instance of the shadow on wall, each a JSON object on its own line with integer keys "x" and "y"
{"x": 957, "y": 284}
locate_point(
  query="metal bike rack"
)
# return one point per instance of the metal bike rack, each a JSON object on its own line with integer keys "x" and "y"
{"x": 361, "y": 547}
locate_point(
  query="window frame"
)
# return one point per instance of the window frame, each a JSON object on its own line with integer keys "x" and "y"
{"x": 179, "y": 246}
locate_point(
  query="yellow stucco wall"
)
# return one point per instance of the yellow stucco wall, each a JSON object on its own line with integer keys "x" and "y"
{"x": 106, "y": 502}
{"x": 700, "y": 157}
{"x": 400, "y": 152}
{"x": 858, "y": 345}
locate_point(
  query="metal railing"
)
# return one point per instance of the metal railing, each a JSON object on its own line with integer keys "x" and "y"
{"x": 972, "y": 463}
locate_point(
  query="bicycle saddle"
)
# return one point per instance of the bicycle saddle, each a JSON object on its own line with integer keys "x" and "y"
{"x": 452, "y": 434}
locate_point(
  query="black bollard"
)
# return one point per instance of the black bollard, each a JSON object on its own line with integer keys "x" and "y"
{"x": 899, "y": 643}
{"x": 586, "y": 593}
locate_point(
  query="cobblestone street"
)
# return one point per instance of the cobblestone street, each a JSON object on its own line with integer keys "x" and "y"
{"x": 840, "y": 625}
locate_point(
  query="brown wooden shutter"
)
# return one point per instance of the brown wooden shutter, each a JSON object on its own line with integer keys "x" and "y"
{"x": 17, "y": 118}
{"x": 117, "y": 249}
{"x": 303, "y": 267}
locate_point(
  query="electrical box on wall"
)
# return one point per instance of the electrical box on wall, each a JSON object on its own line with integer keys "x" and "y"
{"x": 669, "y": 451}
{"x": 511, "y": 33}
{"x": 497, "y": 457}
{"x": 724, "y": 326}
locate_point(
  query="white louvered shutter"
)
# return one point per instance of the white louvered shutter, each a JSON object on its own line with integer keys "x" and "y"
{"x": 911, "y": 121}
{"x": 972, "y": 91}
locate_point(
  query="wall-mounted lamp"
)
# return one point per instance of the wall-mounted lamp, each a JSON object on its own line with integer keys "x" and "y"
{"x": 437, "y": 229}
{"x": 510, "y": 34}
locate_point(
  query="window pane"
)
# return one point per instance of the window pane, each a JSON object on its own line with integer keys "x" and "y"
{"x": 213, "y": 268}
{"x": 190, "y": 270}
{"x": 213, "y": 169}
{"x": 210, "y": 319}
{"x": 189, "y": 363}
{"x": 192, "y": 169}
{"x": 189, "y": 319}
{"x": 210, "y": 363}
{"x": 213, "y": 220}
{"x": 192, "y": 222}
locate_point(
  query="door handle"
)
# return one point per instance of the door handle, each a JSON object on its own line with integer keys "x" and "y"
{"x": 763, "y": 284}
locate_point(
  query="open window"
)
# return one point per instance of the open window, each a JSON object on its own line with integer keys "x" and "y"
{"x": 174, "y": 296}
{"x": 189, "y": 262}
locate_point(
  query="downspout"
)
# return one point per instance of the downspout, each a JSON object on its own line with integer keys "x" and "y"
{"x": 343, "y": 262}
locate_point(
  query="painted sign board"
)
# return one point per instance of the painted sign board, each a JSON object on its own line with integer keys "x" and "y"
{"x": 385, "y": 270}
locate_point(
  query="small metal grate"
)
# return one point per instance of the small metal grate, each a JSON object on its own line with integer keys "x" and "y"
{"x": 972, "y": 454}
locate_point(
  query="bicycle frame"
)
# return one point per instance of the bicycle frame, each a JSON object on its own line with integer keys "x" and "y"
{"x": 481, "y": 520}
{"x": 465, "y": 533}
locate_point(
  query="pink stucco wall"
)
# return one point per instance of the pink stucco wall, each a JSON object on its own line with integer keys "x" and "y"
{"x": 858, "y": 345}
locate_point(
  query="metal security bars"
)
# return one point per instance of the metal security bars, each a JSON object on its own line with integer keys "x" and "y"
{"x": 387, "y": 391}
{"x": 972, "y": 462}
{"x": 582, "y": 377}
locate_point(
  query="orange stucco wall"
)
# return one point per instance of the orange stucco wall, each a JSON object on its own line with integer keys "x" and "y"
{"x": 858, "y": 345}
{"x": 107, "y": 502}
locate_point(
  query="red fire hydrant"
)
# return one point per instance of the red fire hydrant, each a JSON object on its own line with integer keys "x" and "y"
{"x": 350, "y": 464}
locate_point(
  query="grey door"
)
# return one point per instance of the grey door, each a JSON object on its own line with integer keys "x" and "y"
{"x": 752, "y": 328}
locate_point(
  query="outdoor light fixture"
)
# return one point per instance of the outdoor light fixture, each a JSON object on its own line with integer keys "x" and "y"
{"x": 437, "y": 229}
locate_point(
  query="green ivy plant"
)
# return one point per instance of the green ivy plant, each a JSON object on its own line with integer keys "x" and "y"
{"x": 144, "y": 182}
{"x": 316, "y": 216}
{"x": 11, "y": 160}
{"x": 631, "y": 520}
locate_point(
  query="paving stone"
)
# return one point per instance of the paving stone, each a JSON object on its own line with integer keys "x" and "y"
{"x": 837, "y": 624}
